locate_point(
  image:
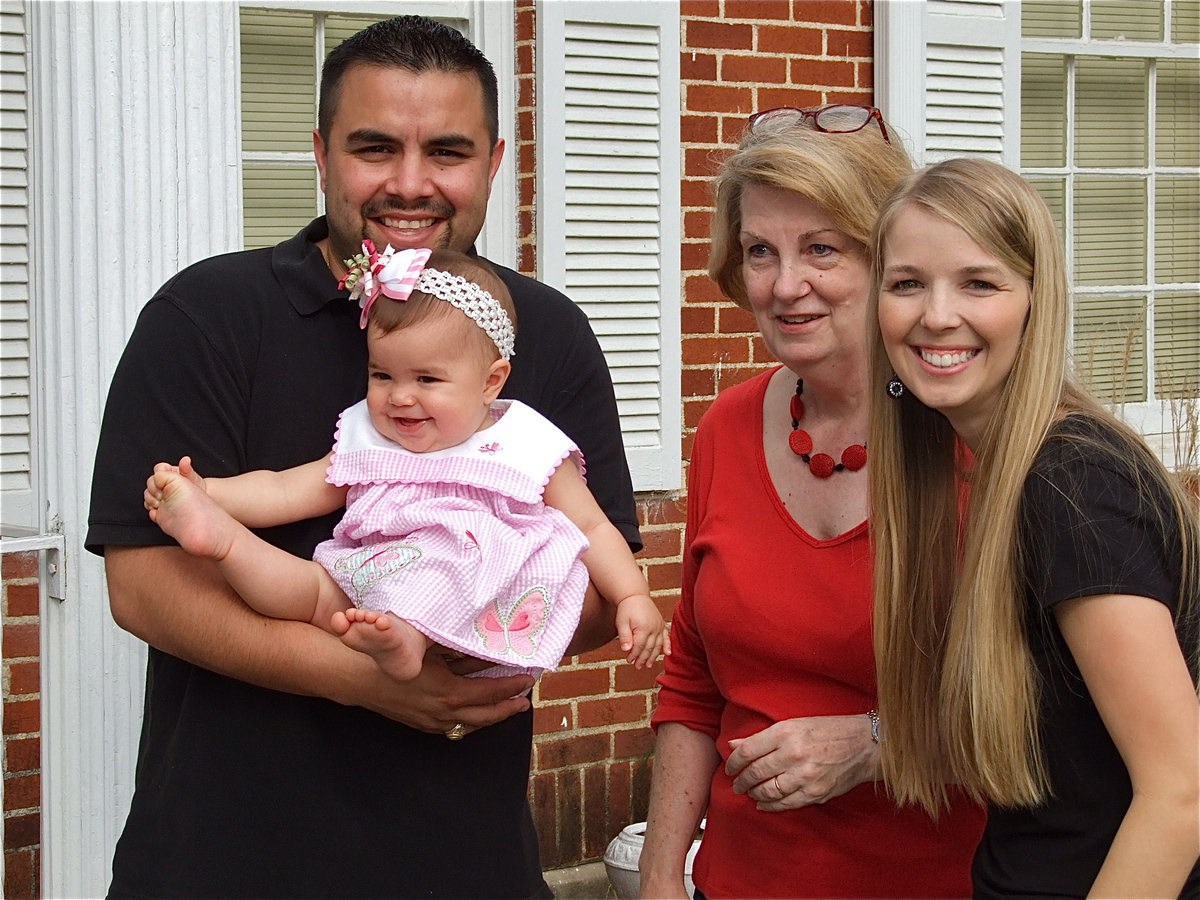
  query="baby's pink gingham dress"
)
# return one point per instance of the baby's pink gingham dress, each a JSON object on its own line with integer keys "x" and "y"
{"x": 458, "y": 541}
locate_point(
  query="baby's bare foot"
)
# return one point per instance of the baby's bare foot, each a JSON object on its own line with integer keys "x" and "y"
{"x": 189, "y": 515}
{"x": 396, "y": 646}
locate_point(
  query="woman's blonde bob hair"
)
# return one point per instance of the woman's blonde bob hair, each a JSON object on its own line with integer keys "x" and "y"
{"x": 958, "y": 689}
{"x": 848, "y": 174}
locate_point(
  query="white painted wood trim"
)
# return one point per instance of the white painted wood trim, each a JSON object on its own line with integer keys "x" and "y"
{"x": 134, "y": 173}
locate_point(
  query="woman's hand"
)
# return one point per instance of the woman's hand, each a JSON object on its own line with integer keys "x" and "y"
{"x": 799, "y": 762}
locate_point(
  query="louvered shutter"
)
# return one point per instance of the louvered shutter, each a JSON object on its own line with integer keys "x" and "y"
{"x": 608, "y": 201}
{"x": 16, "y": 395}
{"x": 949, "y": 77}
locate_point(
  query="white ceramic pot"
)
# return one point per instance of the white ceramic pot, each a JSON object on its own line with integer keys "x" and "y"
{"x": 621, "y": 860}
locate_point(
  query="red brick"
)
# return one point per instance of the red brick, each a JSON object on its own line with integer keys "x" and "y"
{"x": 732, "y": 129}
{"x": 22, "y": 792}
{"x": 526, "y": 187}
{"x": 525, "y": 222}
{"x": 698, "y": 130}
{"x": 608, "y": 653}
{"x": 527, "y": 259}
{"x": 20, "y": 875}
{"x": 755, "y": 69}
{"x": 735, "y": 320}
{"x": 699, "y": 351}
{"x": 864, "y": 77}
{"x": 629, "y": 679}
{"x": 698, "y": 383}
{"x": 695, "y": 191}
{"x": 22, "y": 831}
{"x": 693, "y": 411}
{"x": 699, "y": 9}
{"x": 717, "y": 98}
{"x": 702, "y": 289}
{"x": 666, "y": 602}
{"x": 695, "y": 66}
{"x": 693, "y": 255}
{"x": 573, "y": 683}
{"x": 761, "y": 354}
{"x": 834, "y": 12}
{"x": 697, "y": 319}
{"x": 23, "y": 717}
{"x": 731, "y": 375}
{"x": 22, "y": 755}
{"x": 612, "y": 711}
{"x": 635, "y": 742}
{"x": 697, "y": 223}
{"x": 526, "y": 125}
{"x": 526, "y": 92}
{"x": 802, "y": 98}
{"x": 685, "y": 447}
{"x": 717, "y": 36}
{"x": 18, "y": 565}
{"x": 595, "y": 812}
{"x": 22, "y": 599}
{"x": 571, "y": 751}
{"x": 793, "y": 40}
{"x": 832, "y": 72}
{"x": 570, "y": 828}
{"x": 20, "y": 641}
{"x": 664, "y": 576}
{"x": 757, "y": 9}
{"x": 860, "y": 44}
{"x": 663, "y": 511}
{"x": 549, "y": 719}
{"x": 660, "y": 543}
{"x": 524, "y": 58}
{"x": 23, "y": 678}
{"x": 525, "y": 24}
{"x": 541, "y": 804}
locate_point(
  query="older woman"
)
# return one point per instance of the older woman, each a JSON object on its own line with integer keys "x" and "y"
{"x": 765, "y": 719}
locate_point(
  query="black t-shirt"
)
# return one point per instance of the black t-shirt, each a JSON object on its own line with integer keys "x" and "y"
{"x": 244, "y": 361}
{"x": 1085, "y": 531}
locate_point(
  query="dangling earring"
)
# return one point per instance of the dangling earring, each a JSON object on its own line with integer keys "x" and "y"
{"x": 895, "y": 387}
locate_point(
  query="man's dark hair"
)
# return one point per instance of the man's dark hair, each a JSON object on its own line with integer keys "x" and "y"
{"x": 417, "y": 44}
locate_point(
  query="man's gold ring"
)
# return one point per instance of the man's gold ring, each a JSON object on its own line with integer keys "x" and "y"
{"x": 457, "y": 732}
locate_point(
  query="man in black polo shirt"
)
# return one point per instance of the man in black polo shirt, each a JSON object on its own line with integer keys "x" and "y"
{"x": 273, "y": 760}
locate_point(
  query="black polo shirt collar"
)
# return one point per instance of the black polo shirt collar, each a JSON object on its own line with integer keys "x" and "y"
{"x": 301, "y": 270}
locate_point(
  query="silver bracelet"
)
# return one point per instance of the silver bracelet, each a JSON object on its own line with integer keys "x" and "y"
{"x": 873, "y": 717}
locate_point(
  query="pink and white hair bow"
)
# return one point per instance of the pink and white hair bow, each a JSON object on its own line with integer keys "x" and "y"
{"x": 393, "y": 273}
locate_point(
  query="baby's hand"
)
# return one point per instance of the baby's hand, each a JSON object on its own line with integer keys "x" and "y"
{"x": 164, "y": 473}
{"x": 641, "y": 630}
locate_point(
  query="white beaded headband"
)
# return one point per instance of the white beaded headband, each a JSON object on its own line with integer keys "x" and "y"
{"x": 396, "y": 274}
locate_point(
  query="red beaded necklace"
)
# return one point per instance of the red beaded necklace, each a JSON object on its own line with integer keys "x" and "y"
{"x": 822, "y": 465}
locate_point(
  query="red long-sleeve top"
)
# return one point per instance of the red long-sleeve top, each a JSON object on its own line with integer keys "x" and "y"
{"x": 774, "y": 624}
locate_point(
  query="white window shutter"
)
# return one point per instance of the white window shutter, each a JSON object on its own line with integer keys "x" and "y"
{"x": 948, "y": 77}
{"x": 16, "y": 395}
{"x": 608, "y": 204}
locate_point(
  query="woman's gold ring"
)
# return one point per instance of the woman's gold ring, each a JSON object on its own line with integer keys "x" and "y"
{"x": 457, "y": 732}
{"x": 782, "y": 793}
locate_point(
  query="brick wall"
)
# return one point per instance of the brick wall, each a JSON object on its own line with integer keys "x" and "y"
{"x": 592, "y": 742}
{"x": 22, "y": 726}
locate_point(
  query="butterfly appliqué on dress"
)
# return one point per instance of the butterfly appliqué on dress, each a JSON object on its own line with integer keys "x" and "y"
{"x": 517, "y": 630}
{"x": 373, "y": 563}
{"x": 493, "y": 447}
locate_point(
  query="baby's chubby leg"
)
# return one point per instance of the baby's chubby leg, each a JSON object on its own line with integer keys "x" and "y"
{"x": 182, "y": 509}
{"x": 397, "y": 646}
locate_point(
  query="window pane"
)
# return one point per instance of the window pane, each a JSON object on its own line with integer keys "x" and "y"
{"x": 1051, "y": 19}
{"x": 1177, "y": 119}
{"x": 279, "y": 201}
{"x": 1110, "y": 347}
{"x": 279, "y": 81}
{"x": 1185, "y": 21}
{"x": 1127, "y": 20}
{"x": 1111, "y": 110}
{"x": 1054, "y": 192}
{"x": 1110, "y": 231}
{"x": 1177, "y": 345}
{"x": 1043, "y": 110}
{"x": 1177, "y": 229}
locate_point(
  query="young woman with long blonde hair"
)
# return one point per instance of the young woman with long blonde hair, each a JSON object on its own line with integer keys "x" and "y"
{"x": 1036, "y": 569}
